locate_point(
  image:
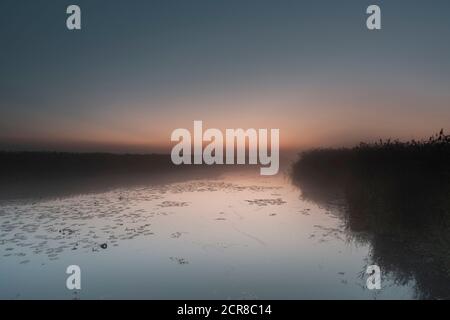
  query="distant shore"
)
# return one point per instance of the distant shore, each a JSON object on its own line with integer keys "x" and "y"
{"x": 35, "y": 175}
{"x": 52, "y": 163}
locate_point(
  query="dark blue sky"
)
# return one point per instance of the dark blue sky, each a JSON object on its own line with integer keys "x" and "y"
{"x": 139, "y": 69}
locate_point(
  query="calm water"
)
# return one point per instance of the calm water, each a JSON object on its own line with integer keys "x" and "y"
{"x": 233, "y": 235}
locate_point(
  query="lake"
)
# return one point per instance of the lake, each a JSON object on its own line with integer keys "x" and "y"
{"x": 230, "y": 234}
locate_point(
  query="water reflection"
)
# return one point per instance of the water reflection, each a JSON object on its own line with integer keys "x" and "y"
{"x": 405, "y": 226}
{"x": 225, "y": 233}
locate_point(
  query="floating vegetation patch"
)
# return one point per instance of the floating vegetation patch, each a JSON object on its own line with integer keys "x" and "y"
{"x": 167, "y": 204}
{"x": 178, "y": 260}
{"x": 93, "y": 223}
{"x": 267, "y": 202}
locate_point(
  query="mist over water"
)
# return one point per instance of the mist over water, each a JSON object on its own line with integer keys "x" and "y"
{"x": 216, "y": 235}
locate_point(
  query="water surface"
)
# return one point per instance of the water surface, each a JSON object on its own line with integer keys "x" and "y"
{"x": 233, "y": 235}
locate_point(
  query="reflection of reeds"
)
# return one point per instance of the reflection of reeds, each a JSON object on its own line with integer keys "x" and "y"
{"x": 399, "y": 194}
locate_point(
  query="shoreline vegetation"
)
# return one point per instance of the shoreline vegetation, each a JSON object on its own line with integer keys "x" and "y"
{"x": 37, "y": 175}
{"x": 396, "y": 195}
{"x": 43, "y": 174}
{"x": 56, "y": 163}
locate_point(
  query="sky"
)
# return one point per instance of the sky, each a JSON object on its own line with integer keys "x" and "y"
{"x": 140, "y": 69}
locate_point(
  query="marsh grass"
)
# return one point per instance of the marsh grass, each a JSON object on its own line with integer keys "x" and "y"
{"x": 398, "y": 195}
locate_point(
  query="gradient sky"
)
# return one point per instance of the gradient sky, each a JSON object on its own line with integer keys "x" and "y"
{"x": 139, "y": 69}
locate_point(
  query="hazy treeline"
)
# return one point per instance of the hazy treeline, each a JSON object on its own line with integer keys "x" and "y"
{"x": 55, "y": 163}
{"x": 37, "y": 175}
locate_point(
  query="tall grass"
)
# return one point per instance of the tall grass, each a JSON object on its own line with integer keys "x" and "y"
{"x": 399, "y": 194}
